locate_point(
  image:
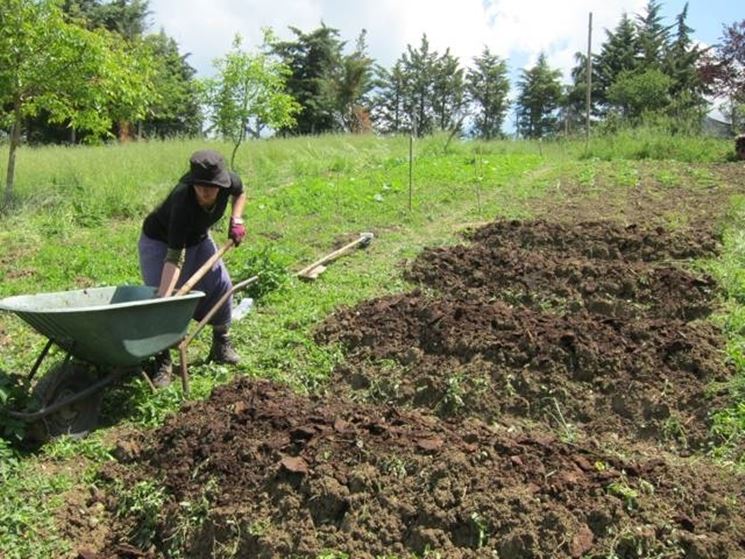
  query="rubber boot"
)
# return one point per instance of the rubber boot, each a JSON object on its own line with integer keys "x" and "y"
{"x": 222, "y": 350}
{"x": 163, "y": 369}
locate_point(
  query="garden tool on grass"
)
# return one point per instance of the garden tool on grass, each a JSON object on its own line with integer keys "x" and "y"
{"x": 319, "y": 266}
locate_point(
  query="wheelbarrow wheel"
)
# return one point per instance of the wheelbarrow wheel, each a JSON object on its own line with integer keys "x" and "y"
{"x": 63, "y": 381}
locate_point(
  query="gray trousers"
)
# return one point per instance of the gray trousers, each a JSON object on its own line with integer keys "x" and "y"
{"x": 215, "y": 283}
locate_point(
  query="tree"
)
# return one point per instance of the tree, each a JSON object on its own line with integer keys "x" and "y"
{"x": 80, "y": 77}
{"x": 540, "y": 95}
{"x": 314, "y": 60}
{"x": 388, "y": 103}
{"x": 249, "y": 94}
{"x": 653, "y": 36}
{"x": 620, "y": 52}
{"x": 177, "y": 112}
{"x": 637, "y": 93}
{"x": 574, "y": 105}
{"x": 417, "y": 69}
{"x": 488, "y": 87}
{"x": 353, "y": 84}
{"x": 448, "y": 92}
{"x": 681, "y": 64}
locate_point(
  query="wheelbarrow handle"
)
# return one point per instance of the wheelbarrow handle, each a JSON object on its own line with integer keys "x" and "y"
{"x": 199, "y": 274}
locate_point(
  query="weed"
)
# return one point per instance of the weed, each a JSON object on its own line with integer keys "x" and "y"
{"x": 482, "y": 528}
{"x": 452, "y": 400}
{"x": 141, "y": 503}
{"x": 14, "y": 394}
{"x": 625, "y": 492}
{"x": 395, "y": 466}
{"x": 568, "y": 432}
{"x": 30, "y": 499}
{"x": 67, "y": 448}
{"x": 266, "y": 263}
{"x": 332, "y": 555}
{"x": 673, "y": 429}
{"x": 192, "y": 515}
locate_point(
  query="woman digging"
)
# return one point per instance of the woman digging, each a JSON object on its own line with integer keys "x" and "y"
{"x": 175, "y": 242}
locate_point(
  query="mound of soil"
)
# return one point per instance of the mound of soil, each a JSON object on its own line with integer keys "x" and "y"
{"x": 580, "y": 326}
{"x": 602, "y": 239}
{"x": 288, "y": 476}
{"x": 542, "y": 279}
{"x": 643, "y": 378}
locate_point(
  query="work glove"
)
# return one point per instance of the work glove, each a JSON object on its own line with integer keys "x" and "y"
{"x": 237, "y": 230}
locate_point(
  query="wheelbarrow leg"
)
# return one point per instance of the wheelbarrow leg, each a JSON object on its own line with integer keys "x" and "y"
{"x": 183, "y": 368}
{"x": 39, "y": 359}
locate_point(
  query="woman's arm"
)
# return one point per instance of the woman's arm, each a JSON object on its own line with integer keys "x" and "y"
{"x": 238, "y": 204}
{"x": 168, "y": 279}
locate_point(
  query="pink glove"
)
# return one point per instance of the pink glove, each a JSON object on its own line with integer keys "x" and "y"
{"x": 237, "y": 230}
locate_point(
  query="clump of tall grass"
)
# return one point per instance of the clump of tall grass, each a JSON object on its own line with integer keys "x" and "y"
{"x": 657, "y": 142}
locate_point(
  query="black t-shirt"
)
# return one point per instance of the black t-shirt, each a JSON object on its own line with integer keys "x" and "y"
{"x": 180, "y": 221}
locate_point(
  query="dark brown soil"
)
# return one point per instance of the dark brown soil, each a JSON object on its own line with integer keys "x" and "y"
{"x": 644, "y": 378}
{"x": 544, "y": 393}
{"x": 616, "y": 271}
{"x": 579, "y": 327}
{"x": 288, "y": 476}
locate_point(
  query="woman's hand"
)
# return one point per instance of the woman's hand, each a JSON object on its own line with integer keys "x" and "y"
{"x": 237, "y": 230}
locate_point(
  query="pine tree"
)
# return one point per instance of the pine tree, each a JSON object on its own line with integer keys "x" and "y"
{"x": 418, "y": 71}
{"x": 388, "y": 102}
{"x": 574, "y": 104}
{"x": 353, "y": 85}
{"x": 448, "y": 92}
{"x": 653, "y": 36}
{"x": 314, "y": 59}
{"x": 682, "y": 66}
{"x": 539, "y": 98}
{"x": 620, "y": 52}
{"x": 488, "y": 86}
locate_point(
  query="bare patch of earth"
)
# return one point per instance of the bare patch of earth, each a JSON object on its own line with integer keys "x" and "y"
{"x": 288, "y": 476}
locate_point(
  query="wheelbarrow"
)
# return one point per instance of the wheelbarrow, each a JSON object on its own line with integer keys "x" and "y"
{"x": 106, "y": 333}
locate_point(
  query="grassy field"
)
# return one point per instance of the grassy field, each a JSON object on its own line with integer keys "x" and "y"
{"x": 76, "y": 221}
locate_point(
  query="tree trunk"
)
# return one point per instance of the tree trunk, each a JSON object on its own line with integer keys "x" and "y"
{"x": 15, "y": 140}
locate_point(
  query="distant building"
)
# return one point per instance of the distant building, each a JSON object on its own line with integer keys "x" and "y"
{"x": 717, "y": 128}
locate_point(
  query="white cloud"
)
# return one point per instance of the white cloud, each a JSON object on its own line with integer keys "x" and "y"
{"x": 515, "y": 29}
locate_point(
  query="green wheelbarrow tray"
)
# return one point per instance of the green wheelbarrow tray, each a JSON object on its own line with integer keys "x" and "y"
{"x": 107, "y": 326}
{"x": 109, "y": 331}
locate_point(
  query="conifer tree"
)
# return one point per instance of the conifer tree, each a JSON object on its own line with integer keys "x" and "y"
{"x": 488, "y": 87}
{"x": 539, "y": 99}
{"x": 620, "y": 52}
{"x": 448, "y": 92}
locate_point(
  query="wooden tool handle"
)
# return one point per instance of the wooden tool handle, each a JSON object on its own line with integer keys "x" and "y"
{"x": 199, "y": 274}
{"x": 331, "y": 256}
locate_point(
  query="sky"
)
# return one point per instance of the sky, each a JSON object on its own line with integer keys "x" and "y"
{"x": 516, "y": 30}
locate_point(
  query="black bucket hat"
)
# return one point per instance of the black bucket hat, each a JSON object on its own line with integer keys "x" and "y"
{"x": 208, "y": 167}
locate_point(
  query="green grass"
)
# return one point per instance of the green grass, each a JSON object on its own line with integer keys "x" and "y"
{"x": 77, "y": 216}
{"x": 730, "y": 272}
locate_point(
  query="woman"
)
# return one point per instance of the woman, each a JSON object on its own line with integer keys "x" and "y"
{"x": 175, "y": 242}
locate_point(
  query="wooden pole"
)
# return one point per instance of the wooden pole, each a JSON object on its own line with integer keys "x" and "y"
{"x": 589, "y": 83}
{"x": 411, "y": 169}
